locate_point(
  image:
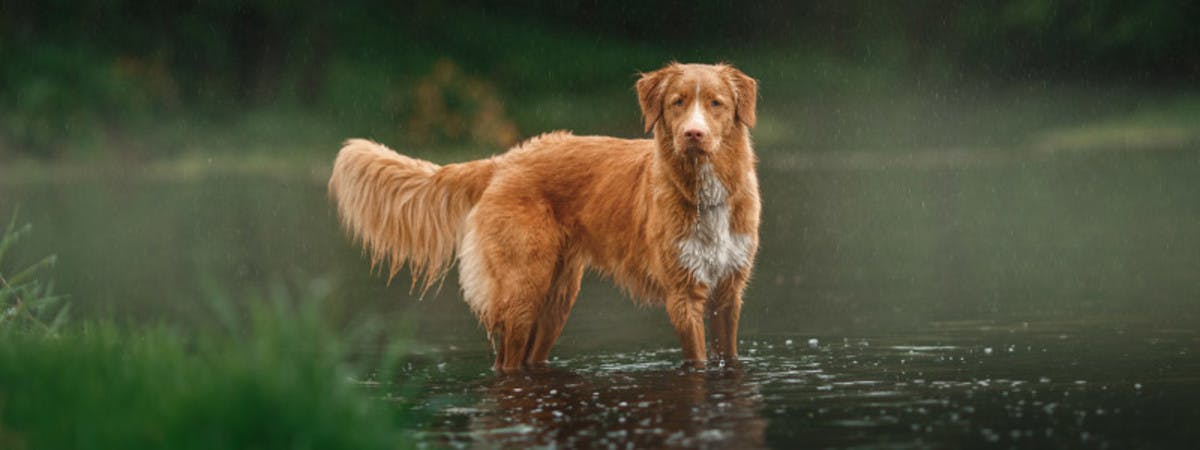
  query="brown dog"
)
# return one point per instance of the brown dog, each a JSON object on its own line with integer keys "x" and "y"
{"x": 673, "y": 220}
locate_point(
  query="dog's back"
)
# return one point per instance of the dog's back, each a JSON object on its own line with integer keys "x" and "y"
{"x": 409, "y": 211}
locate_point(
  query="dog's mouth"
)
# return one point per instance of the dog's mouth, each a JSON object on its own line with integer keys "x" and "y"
{"x": 695, "y": 148}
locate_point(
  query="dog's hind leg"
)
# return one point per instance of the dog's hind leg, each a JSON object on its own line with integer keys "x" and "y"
{"x": 522, "y": 245}
{"x": 553, "y": 314}
{"x": 522, "y": 292}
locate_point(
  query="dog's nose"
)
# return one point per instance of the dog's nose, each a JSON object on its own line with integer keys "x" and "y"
{"x": 694, "y": 134}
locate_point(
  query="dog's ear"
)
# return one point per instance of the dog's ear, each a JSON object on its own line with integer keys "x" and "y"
{"x": 745, "y": 91}
{"x": 651, "y": 88}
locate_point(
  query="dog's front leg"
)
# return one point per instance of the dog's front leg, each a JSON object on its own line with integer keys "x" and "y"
{"x": 724, "y": 310}
{"x": 686, "y": 311}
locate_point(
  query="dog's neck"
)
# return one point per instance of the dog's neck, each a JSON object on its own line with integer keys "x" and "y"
{"x": 710, "y": 191}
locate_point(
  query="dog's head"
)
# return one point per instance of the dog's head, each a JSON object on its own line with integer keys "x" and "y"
{"x": 696, "y": 107}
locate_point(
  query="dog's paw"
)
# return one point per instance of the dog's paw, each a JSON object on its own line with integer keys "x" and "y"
{"x": 726, "y": 363}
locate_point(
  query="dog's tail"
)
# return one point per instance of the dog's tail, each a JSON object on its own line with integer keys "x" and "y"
{"x": 405, "y": 210}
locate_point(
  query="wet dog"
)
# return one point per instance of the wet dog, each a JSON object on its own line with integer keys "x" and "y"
{"x": 673, "y": 220}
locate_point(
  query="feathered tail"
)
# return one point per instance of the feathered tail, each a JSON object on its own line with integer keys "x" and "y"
{"x": 405, "y": 210}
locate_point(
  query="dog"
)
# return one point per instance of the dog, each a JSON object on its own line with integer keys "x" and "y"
{"x": 673, "y": 220}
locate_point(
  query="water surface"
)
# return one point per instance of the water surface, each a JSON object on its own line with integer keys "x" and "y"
{"x": 1050, "y": 385}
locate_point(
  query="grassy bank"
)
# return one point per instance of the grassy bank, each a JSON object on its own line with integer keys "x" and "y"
{"x": 283, "y": 383}
{"x": 896, "y": 118}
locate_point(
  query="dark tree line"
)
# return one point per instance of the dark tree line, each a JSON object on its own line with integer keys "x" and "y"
{"x": 243, "y": 48}
{"x": 92, "y": 62}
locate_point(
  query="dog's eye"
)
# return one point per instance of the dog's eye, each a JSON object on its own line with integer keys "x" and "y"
{"x": 716, "y": 103}
{"x": 678, "y": 102}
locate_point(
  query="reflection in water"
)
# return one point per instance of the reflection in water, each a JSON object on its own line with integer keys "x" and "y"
{"x": 964, "y": 385}
{"x": 650, "y": 409}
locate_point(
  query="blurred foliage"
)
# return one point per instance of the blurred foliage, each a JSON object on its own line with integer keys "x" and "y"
{"x": 278, "y": 380}
{"x": 1012, "y": 38}
{"x": 451, "y": 106}
{"x": 1146, "y": 40}
{"x": 82, "y": 76}
{"x": 26, "y": 300}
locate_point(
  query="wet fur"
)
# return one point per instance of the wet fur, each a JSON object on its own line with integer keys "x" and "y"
{"x": 673, "y": 221}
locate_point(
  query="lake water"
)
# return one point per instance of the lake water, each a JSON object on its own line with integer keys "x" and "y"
{"x": 1047, "y": 385}
{"x": 899, "y": 302}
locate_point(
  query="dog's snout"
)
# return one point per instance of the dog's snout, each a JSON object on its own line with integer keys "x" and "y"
{"x": 695, "y": 128}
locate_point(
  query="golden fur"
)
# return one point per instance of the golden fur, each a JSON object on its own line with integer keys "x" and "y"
{"x": 664, "y": 218}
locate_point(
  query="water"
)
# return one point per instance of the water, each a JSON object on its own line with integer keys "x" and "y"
{"x": 956, "y": 385}
{"x": 1010, "y": 300}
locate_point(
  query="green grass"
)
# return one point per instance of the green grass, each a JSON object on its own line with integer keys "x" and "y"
{"x": 27, "y": 301}
{"x": 279, "y": 382}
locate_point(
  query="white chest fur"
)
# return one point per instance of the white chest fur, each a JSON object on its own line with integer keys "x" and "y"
{"x": 711, "y": 251}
